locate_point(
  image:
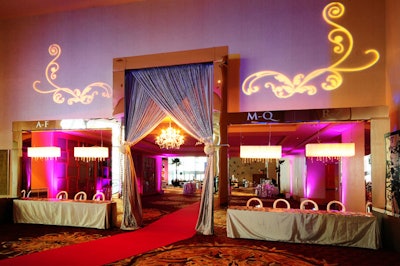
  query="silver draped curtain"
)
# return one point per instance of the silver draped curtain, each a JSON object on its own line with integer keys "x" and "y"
{"x": 184, "y": 93}
{"x": 142, "y": 116}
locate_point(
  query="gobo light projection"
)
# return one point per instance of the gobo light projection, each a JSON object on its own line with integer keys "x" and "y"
{"x": 342, "y": 40}
{"x": 84, "y": 96}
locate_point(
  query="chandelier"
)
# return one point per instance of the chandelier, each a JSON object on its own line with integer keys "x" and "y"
{"x": 170, "y": 138}
{"x": 44, "y": 152}
{"x": 93, "y": 153}
{"x": 330, "y": 151}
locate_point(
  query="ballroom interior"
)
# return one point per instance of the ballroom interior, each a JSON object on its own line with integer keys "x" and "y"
{"x": 285, "y": 73}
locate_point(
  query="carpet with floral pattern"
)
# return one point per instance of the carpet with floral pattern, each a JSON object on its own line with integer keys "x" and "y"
{"x": 217, "y": 249}
{"x": 23, "y": 239}
{"x": 219, "y": 254}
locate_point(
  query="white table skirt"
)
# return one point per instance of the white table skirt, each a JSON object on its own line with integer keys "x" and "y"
{"x": 189, "y": 188}
{"x": 93, "y": 214}
{"x": 304, "y": 226}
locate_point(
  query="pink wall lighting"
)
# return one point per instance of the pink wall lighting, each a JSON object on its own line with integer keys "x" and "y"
{"x": 315, "y": 176}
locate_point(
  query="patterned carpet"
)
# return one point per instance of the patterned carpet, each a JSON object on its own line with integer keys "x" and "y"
{"x": 22, "y": 239}
{"x": 218, "y": 249}
{"x": 220, "y": 254}
{"x": 27, "y": 245}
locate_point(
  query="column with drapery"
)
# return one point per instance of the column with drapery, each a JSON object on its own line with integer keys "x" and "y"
{"x": 142, "y": 116}
{"x": 185, "y": 93}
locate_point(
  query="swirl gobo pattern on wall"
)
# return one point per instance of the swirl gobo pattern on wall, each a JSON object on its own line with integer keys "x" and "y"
{"x": 84, "y": 96}
{"x": 342, "y": 41}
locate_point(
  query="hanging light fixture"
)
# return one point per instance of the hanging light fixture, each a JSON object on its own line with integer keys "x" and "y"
{"x": 92, "y": 153}
{"x": 260, "y": 153}
{"x": 330, "y": 151}
{"x": 170, "y": 138}
{"x": 49, "y": 152}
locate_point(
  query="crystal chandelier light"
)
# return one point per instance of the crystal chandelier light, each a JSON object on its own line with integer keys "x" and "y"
{"x": 170, "y": 138}
{"x": 44, "y": 152}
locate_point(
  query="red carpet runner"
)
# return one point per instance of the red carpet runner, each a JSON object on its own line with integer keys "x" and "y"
{"x": 171, "y": 228}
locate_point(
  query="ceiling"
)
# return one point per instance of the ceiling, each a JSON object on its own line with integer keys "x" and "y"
{"x": 10, "y": 9}
{"x": 292, "y": 137}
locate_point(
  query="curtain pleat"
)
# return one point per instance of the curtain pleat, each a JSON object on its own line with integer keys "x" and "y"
{"x": 185, "y": 94}
{"x": 142, "y": 116}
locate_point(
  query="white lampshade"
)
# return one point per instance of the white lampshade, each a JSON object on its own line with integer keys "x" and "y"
{"x": 260, "y": 152}
{"x": 91, "y": 153}
{"x": 330, "y": 150}
{"x": 44, "y": 152}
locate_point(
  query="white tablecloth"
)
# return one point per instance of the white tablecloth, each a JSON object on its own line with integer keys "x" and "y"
{"x": 266, "y": 191}
{"x": 189, "y": 188}
{"x": 304, "y": 226}
{"x": 93, "y": 214}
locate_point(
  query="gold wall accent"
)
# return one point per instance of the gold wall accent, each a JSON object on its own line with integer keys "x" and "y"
{"x": 342, "y": 41}
{"x": 84, "y": 96}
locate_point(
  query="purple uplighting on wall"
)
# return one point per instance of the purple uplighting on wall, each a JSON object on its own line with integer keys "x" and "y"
{"x": 315, "y": 178}
{"x": 344, "y": 181}
{"x": 59, "y": 170}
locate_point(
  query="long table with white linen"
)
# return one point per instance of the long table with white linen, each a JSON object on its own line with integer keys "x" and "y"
{"x": 88, "y": 213}
{"x": 304, "y": 226}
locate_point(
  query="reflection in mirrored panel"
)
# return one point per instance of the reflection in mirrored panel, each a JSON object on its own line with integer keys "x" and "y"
{"x": 70, "y": 172}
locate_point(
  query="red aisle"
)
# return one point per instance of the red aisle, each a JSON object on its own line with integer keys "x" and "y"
{"x": 167, "y": 230}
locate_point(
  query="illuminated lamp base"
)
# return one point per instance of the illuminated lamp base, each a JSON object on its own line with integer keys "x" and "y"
{"x": 250, "y": 153}
{"x": 44, "y": 152}
{"x": 330, "y": 151}
{"x": 91, "y": 153}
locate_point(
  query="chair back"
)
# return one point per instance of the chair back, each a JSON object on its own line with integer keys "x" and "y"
{"x": 62, "y": 195}
{"x": 281, "y": 200}
{"x": 81, "y": 195}
{"x": 368, "y": 207}
{"x": 260, "y": 204}
{"x": 304, "y": 202}
{"x": 342, "y": 207}
{"x": 99, "y": 196}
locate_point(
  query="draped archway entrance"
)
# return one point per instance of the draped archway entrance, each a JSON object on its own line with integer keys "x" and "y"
{"x": 186, "y": 86}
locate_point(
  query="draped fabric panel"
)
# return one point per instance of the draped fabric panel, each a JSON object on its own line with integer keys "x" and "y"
{"x": 185, "y": 93}
{"x": 137, "y": 127}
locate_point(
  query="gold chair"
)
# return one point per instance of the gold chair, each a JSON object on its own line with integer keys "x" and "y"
{"x": 342, "y": 207}
{"x": 281, "y": 200}
{"x": 81, "y": 195}
{"x": 62, "y": 195}
{"x": 306, "y": 201}
{"x": 99, "y": 196}
{"x": 260, "y": 205}
{"x": 368, "y": 207}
